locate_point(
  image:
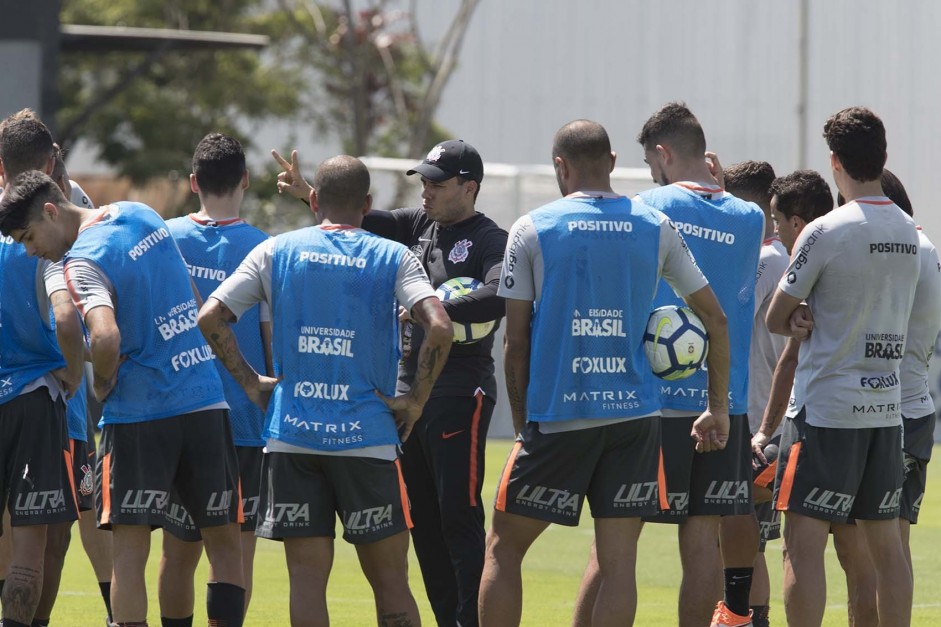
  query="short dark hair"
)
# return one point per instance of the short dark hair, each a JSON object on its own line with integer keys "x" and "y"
{"x": 750, "y": 180}
{"x": 582, "y": 142}
{"x": 25, "y": 143}
{"x": 804, "y": 194}
{"x": 857, "y": 137}
{"x": 463, "y": 181}
{"x": 675, "y": 125}
{"x": 219, "y": 164}
{"x": 24, "y": 199}
{"x": 342, "y": 183}
{"x": 891, "y": 187}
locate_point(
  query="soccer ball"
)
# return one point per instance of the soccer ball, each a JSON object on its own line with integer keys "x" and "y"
{"x": 675, "y": 342}
{"x": 464, "y": 332}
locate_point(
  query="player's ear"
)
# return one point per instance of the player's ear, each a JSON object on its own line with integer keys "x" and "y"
{"x": 614, "y": 160}
{"x": 367, "y": 204}
{"x": 835, "y": 162}
{"x": 664, "y": 152}
{"x": 312, "y": 199}
{"x": 245, "y": 182}
{"x": 51, "y": 211}
{"x": 194, "y": 186}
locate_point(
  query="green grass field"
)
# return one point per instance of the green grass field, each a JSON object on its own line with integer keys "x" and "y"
{"x": 551, "y": 573}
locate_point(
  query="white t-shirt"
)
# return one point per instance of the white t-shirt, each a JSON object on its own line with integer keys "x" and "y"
{"x": 923, "y": 327}
{"x": 857, "y": 268}
{"x": 766, "y": 347}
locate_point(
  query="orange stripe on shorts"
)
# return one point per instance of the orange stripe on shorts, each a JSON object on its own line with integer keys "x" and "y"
{"x": 505, "y": 477}
{"x": 766, "y": 477}
{"x": 475, "y": 427}
{"x": 69, "y": 456}
{"x": 106, "y": 490}
{"x": 662, "y": 484}
{"x": 403, "y": 494}
{"x": 787, "y": 482}
{"x": 241, "y": 514}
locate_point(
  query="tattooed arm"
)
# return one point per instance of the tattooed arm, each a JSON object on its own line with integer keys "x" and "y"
{"x": 516, "y": 349}
{"x": 215, "y": 321}
{"x": 429, "y": 313}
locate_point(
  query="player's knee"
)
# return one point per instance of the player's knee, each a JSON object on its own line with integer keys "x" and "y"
{"x": 58, "y": 538}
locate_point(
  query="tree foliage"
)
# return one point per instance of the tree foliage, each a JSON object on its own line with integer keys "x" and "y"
{"x": 362, "y": 74}
{"x": 145, "y": 111}
{"x": 376, "y": 82}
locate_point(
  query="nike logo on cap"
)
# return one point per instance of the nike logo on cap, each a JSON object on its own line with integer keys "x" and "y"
{"x": 463, "y": 172}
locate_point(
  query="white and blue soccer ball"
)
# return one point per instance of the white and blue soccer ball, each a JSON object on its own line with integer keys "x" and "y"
{"x": 675, "y": 342}
{"x": 464, "y": 332}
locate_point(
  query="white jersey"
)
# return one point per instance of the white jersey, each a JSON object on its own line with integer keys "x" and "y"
{"x": 766, "y": 347}
{"x": 79, "y": 197}
{"x": 857, "y": 268}
{"x": 923, "y": 327}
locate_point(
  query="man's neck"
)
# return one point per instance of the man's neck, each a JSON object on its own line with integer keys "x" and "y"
{"x": 219, "y": 208}
{"x": 856, "y": 189}
{"x": 465, "y": 214}
{"x": 694, "y": 171}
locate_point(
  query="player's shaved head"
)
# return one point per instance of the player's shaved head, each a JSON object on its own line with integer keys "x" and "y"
{"x": 342, "y": 184}
{"x": 582, "y": 143}
{"x": 751, "y": 181}
{"x": 25, "y": 143}
{"x": 674, "y": 125}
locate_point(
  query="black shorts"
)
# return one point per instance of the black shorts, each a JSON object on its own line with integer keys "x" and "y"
{"x": 918, "y": 442}
{"x": 83, "y": 474}
{"x": 140, "y": 464}
{"x": 836, "y": 474}
{"x": 35, "y": 461}
{"x": 180, "y": 523}
{"x": 705, "y": 484}
{"x": 617, "y": 466}
{"x": 302, "y": 494}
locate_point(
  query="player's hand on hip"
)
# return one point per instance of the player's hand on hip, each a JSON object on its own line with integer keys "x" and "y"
{"x": 102, "y": 386}
{"x": 404, "y": 315}
{"x": 711, "y": 431}
{"x": 260, "y": 393}
{"x": 406, "y": 409}
{"x": 67, "y": 381}
{"x": 290, "y": 179}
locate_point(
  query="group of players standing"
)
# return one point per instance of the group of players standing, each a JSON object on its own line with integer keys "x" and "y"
{"x": 300, "y": 338}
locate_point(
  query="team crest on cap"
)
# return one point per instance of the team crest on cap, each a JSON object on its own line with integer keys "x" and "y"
{"x": 434, "y": 154}
{"x": 459, "y": 253}
{"x": 87, "y": 486}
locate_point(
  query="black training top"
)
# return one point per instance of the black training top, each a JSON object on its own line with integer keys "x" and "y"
{"x": 471, "y": 248}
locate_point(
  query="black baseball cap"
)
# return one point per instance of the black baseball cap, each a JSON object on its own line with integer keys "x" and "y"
{"x": 448, "y": 159}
